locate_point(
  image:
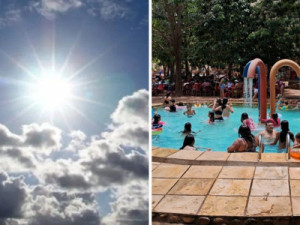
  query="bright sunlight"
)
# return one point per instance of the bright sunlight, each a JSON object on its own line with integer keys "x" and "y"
{"x": 52, "y": 91}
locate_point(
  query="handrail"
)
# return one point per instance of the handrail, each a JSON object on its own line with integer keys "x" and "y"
{"x": 287, "y": 145}
{"x": 260, "y": 148}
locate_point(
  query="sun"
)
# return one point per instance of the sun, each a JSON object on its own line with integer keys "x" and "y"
{"x": 52, "y": 91}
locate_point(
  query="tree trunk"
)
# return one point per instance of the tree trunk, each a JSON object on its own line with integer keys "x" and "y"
{"x": 174, "y": 13}
{"x": 178, "y": 85}
{"x": 206, "y": 71}
{"x": 187, "y": 70}
{"x": 172, "y": 73}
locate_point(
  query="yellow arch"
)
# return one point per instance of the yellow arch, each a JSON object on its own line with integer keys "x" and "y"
{"x": 275, "y": 68}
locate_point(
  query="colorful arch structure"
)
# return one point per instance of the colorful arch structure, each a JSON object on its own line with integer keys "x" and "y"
{"x": 275, "y": 68}
{"x": 259, "y": 66}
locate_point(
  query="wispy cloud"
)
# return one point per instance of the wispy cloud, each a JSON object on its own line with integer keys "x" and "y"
{"x": 66, "y": 187}
{"x": 50, "y": 8}
{"x": 10, "y": 15}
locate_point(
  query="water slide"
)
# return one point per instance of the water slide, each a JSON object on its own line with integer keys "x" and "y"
{"x": 275, "y": 68}
{"x": 257, "y": 65}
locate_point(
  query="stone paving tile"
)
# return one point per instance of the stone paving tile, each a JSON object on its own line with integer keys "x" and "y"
{"x": 242, "y": 172}
{"x": 243, "y": 157}
{"x": 156, "y": 199}
{"x": 192, "y": 187}
{"x": 163, "y": 152}
{"x": 295, "y": 187}
{"x": 269, "y": 206}
{"x": 169, "y": 170}
{"x": 276, "y": 173}
{"x": 294, "y": 173}
{"x": 296, "y": 206}
{"x": 162, "y": 186}
{"x": 186, "y": 154}
{"x": 231, "y": 187}
{"x": 273, "y": 157}
{"x": 203, "y": 172}
{"x": 154, "y": 166}
{"x": 214, "y": 156}
{"x": 180, "y": 204}
{"x": 223, "y": 206}
{"x": 270, "y": 188}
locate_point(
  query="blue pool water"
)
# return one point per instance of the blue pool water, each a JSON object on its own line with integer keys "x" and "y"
{"x": 216, "y": 136}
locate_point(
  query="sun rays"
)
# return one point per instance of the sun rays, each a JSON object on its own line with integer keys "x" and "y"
{"x": 53, "y": 92}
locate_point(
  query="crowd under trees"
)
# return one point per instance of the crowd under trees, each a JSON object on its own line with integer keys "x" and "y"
{"x": 223, "y": 33}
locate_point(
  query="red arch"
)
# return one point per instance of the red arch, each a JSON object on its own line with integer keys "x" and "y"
{"x": 263, "y": 84}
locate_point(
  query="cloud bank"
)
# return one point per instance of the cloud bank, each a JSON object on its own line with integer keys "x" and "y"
{"x": 65, "y": 187}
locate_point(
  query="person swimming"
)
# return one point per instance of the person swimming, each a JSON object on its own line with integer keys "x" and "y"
{"x": 218, "y": 109}
{"x": 156, "y": 121}
{"x": 188, "y": 143}
{"x": 211, "y": 117}
{"x": 281, "y": 136}
{"x": 297, "y": 141}
{"x": 246, "y": 142}
{"x": 189, "y": 111}
{"x": 172, "y": 106}
{"x": 247, "y": 121}
{"x": 269, "y": 134}
{"x": 227, "y": 108}
{"x": 187, "y": 129}
{"x": 275, "y": 120}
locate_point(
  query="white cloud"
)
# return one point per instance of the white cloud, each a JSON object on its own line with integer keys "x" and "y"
{"x": 111, "y": 10}
{"x": 115, "y": 160}
{"x": 131, "y": 205}
{"x": 49, "y": 8}
{"x": 132, "y": 109}
{"x": 12, "y": 195}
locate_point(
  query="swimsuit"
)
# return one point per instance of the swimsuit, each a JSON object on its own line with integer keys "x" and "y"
{"x": 251, "y": 148}
{"x": 219, "y": 112}
{"x": 172, "y": 108}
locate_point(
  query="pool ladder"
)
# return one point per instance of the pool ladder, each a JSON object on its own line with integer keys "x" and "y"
{"x": 287, "y": 145}
{"x": 260, "y": 147}
{"x": 287, "y": 148}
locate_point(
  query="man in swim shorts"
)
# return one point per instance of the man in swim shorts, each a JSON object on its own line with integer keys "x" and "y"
{"x": 269, "y": 134}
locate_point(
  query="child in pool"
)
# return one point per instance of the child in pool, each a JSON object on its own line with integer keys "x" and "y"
{"x": 247, "y": 121}
{"x": 297, "y": 141}
{"x": 188, "y": 143}
{"x": 211, "y": 117}
{"x": 156, "y": 121}
{"x": 172, "y": 107}
{"x": 187, "y": 129}
{"x": 189, "y": 111}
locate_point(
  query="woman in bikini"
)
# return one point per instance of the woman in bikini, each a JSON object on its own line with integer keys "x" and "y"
{"x": 281, "y": 136}
{"x": 218, "y": 109}
{"x": 246, "y": 142}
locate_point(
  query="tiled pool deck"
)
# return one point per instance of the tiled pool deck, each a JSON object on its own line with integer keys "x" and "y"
{"x": 224, "y": 188}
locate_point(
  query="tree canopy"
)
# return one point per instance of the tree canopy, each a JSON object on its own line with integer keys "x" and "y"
{"x": 223, "y": 33}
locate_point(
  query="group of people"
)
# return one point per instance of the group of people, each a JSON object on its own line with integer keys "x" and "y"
{"x": 247, "y": 142}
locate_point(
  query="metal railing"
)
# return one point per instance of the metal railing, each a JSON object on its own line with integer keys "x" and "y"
{"x": 260, "y": 146}
{"x": 287, "y": 145}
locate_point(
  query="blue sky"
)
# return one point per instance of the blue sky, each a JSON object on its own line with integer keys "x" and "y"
{"x": 72, "y": 142}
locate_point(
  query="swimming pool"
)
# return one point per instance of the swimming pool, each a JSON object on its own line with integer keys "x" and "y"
{"x": 216, "y": 136}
